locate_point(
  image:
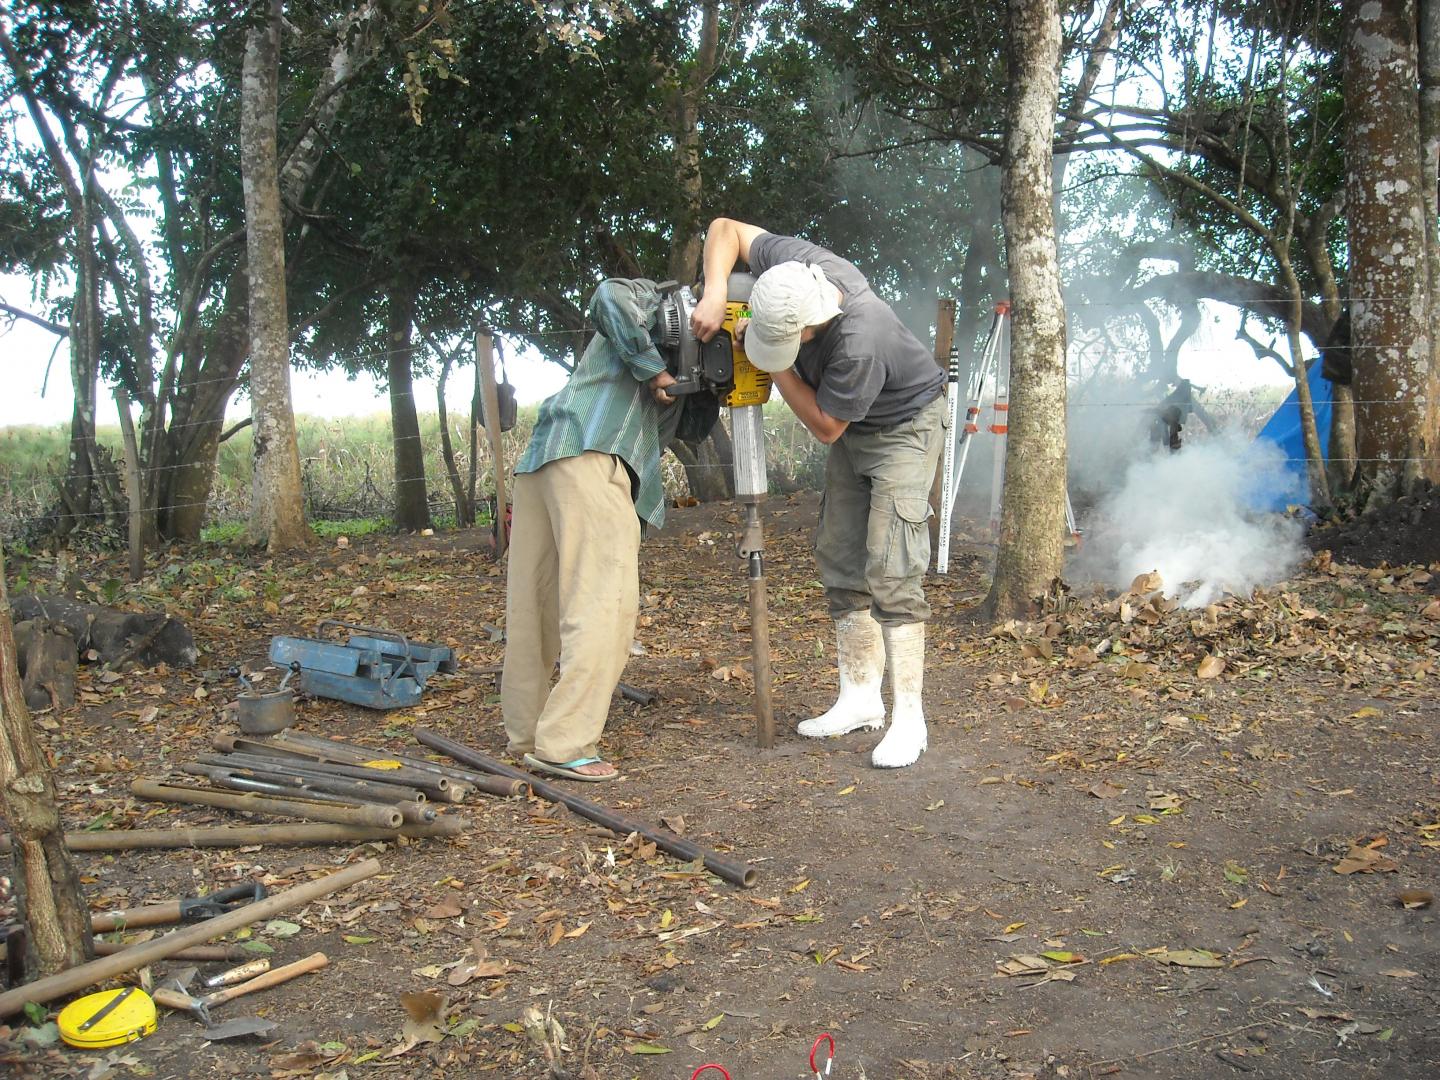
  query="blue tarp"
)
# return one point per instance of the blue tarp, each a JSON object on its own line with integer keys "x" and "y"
{"x": 1283, "y": 430}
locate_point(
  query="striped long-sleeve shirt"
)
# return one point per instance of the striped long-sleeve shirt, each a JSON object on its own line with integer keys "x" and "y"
{"x": 607, "y": 406}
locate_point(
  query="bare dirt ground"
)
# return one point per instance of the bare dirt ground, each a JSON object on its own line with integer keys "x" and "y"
{"x": 1143, "y": 843}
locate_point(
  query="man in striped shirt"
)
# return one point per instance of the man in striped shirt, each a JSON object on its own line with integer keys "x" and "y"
{"x": 586, "y": 484}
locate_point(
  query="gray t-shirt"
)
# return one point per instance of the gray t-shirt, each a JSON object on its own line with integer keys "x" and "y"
{"x": 866, "y": 367}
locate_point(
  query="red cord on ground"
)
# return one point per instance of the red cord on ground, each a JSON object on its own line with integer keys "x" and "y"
{"x": 826, "y": 1037}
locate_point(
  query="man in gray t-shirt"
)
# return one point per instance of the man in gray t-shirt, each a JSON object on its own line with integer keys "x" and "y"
{"x": 863, "y": 385}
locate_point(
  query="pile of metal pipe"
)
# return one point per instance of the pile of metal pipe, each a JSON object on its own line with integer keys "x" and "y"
{"x": 342, "y": 759}
{"x": 284, "y": 784}
{"x": 333, "y": 751}
{"x": 325, "y": 780}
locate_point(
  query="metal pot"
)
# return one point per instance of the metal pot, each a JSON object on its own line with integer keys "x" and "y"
{"x": 267, "y": 713}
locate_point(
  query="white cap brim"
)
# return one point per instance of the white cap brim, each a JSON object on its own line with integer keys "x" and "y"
{"x": 771, "y": 357}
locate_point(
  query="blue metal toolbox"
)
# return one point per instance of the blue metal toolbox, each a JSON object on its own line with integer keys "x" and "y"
{"x": 376, "y": 668}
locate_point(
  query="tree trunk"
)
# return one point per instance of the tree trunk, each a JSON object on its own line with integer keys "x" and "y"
{"x": 1429, "y": 55}
{"x": 980, "y": 274}
{"x": 277, "y": 509}
{"x": 1315, "y": 470}
{"x": 1341, "y": 458}
{"x": 703, "y": 476}
{"x": 477, "y": 408}
{"x": 210, "y": 371}
{"x": 464, "y": 512}
{"x": 686, "y": 240}
{"x": 203, "y": 386}
{"x": 1389, "y": 276}
{"x": 82, "y": 467}
{"x": 412, "y": 508}
{"x": 1032, "y": 516}
{"x": 75, "y": 487}
{"x": 49, "y": 889}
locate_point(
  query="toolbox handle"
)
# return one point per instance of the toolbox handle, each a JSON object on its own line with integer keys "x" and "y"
{"x": 373, "y": 631}
{"x": 407, "y": 664}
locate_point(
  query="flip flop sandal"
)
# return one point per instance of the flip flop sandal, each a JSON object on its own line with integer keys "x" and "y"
{"x": 568, "y": 769}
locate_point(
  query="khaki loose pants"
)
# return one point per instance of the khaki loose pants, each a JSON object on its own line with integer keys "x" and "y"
{"x": 573, "y": 593}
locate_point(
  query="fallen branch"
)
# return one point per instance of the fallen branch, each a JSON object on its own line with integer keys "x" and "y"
{"x": 1176, "y": 1046}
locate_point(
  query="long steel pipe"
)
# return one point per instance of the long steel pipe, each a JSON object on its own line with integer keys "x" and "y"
{"x": 731, "y": 870}
{"x": 286, "y": 787}
{"x": 273, "y": 768}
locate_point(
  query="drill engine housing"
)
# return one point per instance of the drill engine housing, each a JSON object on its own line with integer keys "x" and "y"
{"x": 718, "y": 365}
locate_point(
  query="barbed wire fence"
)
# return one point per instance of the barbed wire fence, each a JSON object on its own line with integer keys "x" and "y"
{"x": 348, "y": 463}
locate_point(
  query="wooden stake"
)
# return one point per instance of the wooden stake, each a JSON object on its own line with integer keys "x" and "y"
{"x": 485, "y": 362}
{"x": 134, "y": 492}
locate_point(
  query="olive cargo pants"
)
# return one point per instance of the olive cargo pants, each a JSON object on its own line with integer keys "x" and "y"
{"x": 873, "y": 541}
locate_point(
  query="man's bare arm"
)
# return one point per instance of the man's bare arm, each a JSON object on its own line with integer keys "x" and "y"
{"x": 727, "y": 242}
{"x": 801, "y": 399}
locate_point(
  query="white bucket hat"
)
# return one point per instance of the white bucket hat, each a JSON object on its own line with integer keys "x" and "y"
{"x": 787, "y": 298}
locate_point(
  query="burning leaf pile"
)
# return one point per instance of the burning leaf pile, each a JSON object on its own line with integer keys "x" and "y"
{"x": 1348, "y": 625}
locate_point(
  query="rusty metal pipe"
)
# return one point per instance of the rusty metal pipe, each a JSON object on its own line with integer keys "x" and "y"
{"x": 288, "y": 787}
{"x": 731, "y": 870}
{"x": 297, "y": 834}
{"x": 381, "y": 817}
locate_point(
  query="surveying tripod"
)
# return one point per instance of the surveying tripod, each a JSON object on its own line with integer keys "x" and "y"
{"x": 992, "y": 375}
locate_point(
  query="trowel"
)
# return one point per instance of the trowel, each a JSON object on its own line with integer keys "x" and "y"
{"x": 174, "y": 993}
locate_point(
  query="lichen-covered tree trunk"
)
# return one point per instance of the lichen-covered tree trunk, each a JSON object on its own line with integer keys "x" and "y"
{"x": 53, "y": 907}
{"x": 203, "y": 387}
{"x": 412, "y": 507}
{"x": 686, "y": 239}
{"x": 210, "y": 370}
{"x": 1391, "y": 321}
{"x": 277, "y": 509}
{"x": 1429, "y": 56}
{"x": 1032, "y": 515}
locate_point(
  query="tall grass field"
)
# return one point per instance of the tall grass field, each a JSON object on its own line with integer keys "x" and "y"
{"x": 347, "y": 468}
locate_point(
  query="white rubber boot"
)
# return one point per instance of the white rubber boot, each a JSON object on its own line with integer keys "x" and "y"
{"x": 906, "y": 740}
{"x": 861, "y": 653}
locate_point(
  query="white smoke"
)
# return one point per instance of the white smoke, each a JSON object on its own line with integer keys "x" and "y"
{"x": 1195, "y": 518}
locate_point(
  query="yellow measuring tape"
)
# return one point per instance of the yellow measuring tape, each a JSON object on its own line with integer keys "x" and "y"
{"x": 109, "y": 1018}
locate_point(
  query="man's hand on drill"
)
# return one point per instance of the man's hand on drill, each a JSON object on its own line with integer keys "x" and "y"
{"x": 657, "y": 384}
{"x": 708, "y": 316}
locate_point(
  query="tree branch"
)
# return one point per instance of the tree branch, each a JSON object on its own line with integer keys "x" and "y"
{"x": 55, "y": 328}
